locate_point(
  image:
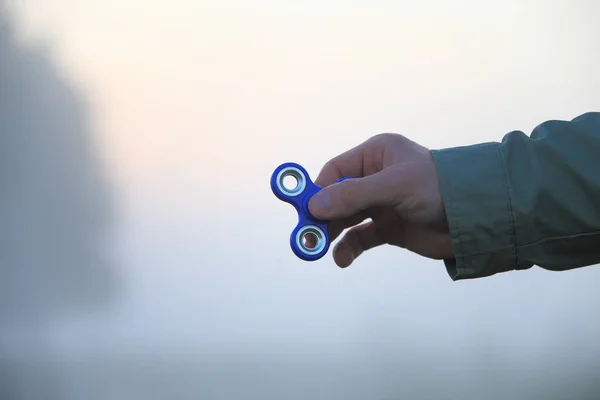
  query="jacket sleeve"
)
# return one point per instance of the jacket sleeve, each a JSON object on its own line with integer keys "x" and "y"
{"x": 528, "y": 200}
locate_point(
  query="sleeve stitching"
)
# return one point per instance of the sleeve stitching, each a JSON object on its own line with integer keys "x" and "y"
{"x": 537, "y": 242}
{"x": 512, "y": 229}
{"x": 449, "y": 205}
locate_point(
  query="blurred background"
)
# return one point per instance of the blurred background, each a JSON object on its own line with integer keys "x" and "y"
{"x": 143, "y": 255}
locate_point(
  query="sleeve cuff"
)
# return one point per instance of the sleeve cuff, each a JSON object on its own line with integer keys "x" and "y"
{"x": 478, "y": 207}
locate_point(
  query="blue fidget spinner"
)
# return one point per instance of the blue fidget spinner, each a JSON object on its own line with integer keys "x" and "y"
{"x": 299, "y": 196}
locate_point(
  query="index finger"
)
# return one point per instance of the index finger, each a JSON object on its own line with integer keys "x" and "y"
{"x": 362, "y": 160}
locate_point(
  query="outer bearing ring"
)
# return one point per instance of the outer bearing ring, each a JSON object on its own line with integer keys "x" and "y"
{"x": 295, "y": 173}
{"x": 319, "y": 235}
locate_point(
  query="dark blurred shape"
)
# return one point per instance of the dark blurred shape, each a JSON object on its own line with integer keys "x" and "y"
{"x": 54, "y": 214}
{"x": 54, "y": 200}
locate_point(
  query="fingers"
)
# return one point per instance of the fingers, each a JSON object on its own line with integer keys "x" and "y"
{"x": 356, "y": 241}
{"x": 337, "y": 227}
{"x": 352, "y": 196}
{"x": 359, "y": 161}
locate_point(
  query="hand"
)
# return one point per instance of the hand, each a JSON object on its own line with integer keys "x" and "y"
{"x": 396, "y": 186}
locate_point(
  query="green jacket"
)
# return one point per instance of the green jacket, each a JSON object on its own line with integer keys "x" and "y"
{"x": 524, "y": 201}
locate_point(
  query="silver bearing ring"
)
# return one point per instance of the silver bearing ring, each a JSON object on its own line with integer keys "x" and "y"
{"x": 319, "y": 236}
{"x": 297, "y": 175}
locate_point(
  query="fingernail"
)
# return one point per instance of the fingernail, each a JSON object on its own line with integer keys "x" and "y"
{"x": 319, "y": 203}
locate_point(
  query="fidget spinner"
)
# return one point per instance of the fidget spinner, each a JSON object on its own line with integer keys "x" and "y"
{"x": 308, "y": 225}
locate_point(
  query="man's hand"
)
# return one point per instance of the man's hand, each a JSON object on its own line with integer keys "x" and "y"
{"x": 396, "y": 186}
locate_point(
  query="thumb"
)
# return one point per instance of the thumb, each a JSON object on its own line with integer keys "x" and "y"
{"x": 349, "y": 197}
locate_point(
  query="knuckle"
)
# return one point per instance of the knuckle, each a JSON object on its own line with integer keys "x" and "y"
{"x": 331, "y": 167}
{"x": 384, "y": 137}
